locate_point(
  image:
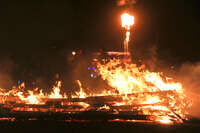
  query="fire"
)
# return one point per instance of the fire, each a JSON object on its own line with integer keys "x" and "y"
{"x": 164, "y": 120}
{"x": 150, "y": 92}
{"x": 35, "y": 96}
{"x": 127, "y": 22}
{"x": 133, "y": 89}
{"x": 81, "y": 93}
{"x": 56, "y": 91}
{"x": 128, "y": 79}
{"x": 32, "y": 99}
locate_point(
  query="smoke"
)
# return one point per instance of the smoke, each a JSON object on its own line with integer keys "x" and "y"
{"x": 6, "y": 69}
{"x": 151, "y": 58}
{"x": 189, "y": 75}
{"x": 125, "y": 2}
{"x": 147, "y": 56}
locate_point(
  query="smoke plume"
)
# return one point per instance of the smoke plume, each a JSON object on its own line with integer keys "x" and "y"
{"x": 6, "y": 69}
{"x": 125, "y": 2}
{"x": 189, "y": 76}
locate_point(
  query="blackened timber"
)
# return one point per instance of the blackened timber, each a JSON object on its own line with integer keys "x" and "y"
{"x": 109, "y": 98}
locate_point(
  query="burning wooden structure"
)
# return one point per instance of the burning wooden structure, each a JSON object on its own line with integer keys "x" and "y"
{"x": 93, "y": 108}
{"x": 137, "y": 95}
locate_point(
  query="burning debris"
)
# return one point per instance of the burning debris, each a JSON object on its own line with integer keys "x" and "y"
{"x": 136, "y": 92}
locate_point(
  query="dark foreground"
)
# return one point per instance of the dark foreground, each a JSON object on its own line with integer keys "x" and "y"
{"x": 44, "y": 126}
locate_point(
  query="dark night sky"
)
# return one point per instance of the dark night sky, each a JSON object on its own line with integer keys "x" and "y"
{"x": 35, "y": 33}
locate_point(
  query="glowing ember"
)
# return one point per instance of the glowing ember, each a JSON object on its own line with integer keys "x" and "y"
{"x": 164, "y": 120}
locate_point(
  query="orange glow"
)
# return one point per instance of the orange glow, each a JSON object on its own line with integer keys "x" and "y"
{"x": 81, "y": 93}
{"x": 150, "y": 91}
{"x": 56, "y": 91}
{"x": 164, "y": 120}
{"x": 73, "y": 53}
{"x": 131, "y": 88}
{"x": 128, "y": 79}
{"x": 127, "y": 22}
{"x": 32, "y": 98}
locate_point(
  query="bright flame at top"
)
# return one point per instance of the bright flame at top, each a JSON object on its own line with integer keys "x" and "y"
{"x": 81, "y": 93}
{"x": 127, "y": 20}
{"x": 56, "y": 91}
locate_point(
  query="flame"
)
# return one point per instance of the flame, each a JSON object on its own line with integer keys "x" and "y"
{"x": 35, "y": 96}
{"x": 81, "y": 93}
{"x": 164, "y": 120}
{"x": 127, "y": 22}
{"x": 56, "y": 91}
{"x": 133, "y": 88}
{"x": 32, "y": 99}
{"x": 127, "y": 78}
{"x": 150, "y": 92}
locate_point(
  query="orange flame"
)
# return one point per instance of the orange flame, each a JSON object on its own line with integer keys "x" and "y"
{"x": 130, "y": 83}
{"x": 127, "y": 79}
{"x": 81, "y": 93}
{"x": 56, "y": 91}
{"x": 127, "y": 22}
